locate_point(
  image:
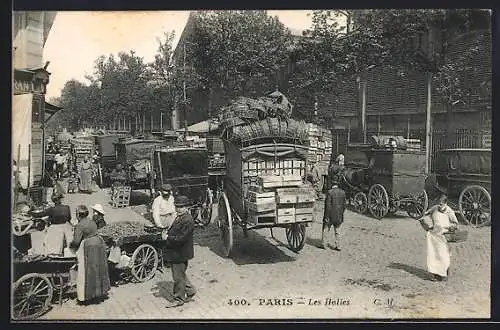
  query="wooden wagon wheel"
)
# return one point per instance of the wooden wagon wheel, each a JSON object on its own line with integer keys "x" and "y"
{"x": 296, "y": 236}
{"x": 144, "y": 262}
{"x": 206, "y": 207}
{"x": 32, "y": 294}
{"x": 421, "y": 202}
{"x": 360, "y": 202}
{"x": 225, "y": 221}
{"x": 378, "y": 201}
{"x": 475, "y": 205}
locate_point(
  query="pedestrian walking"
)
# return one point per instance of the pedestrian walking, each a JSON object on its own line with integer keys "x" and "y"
{"x": 92, "y": 280}
{"x": 179, "y": 250}
{"x": 163, "y": 209}
{"x": 85, "y": 176}
{"x": 98, "y": 215}
{"x": 60, "y": 231}
{"x": 335, "y": 203}
{"x": 442, "y": 220}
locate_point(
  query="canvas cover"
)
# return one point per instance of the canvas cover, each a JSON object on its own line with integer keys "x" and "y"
{"x": 21, "y": 135}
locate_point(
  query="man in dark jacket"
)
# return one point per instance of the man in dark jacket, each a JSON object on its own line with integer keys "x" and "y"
{"x": 334, "y": 215}
{"x": 179, "y": 249}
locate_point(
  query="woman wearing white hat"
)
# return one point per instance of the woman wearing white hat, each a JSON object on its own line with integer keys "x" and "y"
{"x": 98, "y": 216}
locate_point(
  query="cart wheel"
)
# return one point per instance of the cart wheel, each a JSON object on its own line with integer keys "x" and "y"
{"x": 32, "y": 294}
{"x": 144, "y": 262}
{"x": 417, "y": 209}
{"x": 206, "y": 208}
{"x": 296, "y": 236}
{"x": 475, "y": 205}
{"x": 378, "y": 201}
{"x": 360, "y": 202}
{"x": 225, "y": 224}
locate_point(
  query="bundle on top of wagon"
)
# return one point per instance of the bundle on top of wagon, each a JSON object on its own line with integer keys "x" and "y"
{"x": 266, "y": 156}
{"x": 385, "y": 176}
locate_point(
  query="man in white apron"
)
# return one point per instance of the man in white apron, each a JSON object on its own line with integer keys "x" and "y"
{"x": 163, "y": 208}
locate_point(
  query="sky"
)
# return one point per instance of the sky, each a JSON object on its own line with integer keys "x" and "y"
{"x": 77, "y": 39}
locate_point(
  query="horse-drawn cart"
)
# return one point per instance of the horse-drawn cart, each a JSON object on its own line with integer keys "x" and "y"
{"x": 264, "y": 185}
{"x": 385, "y": 180}
{"x": 186, "y": 169}
{"x": 466, "y": 175}
{"x": 36, "y": 279}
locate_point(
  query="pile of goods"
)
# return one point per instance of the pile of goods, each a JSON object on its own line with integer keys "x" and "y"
{"x": 123, "y": 229}
{"x": 281, "y": 199}
{"x": 246, "y": 119}
{"x": 320, "y": 146}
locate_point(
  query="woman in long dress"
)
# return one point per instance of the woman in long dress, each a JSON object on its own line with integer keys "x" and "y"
{"x": 438, "y": 253}
{"x": 93, "y": 275}
{"x": 85, "y": 175}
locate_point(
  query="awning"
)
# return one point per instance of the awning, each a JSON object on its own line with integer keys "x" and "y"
{"x": 51, "y": 109}
{"x": 201, "y": 127}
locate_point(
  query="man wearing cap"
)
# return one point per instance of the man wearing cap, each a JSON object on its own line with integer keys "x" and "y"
{"x": 334, "y": 215}
{"x": 98, "y": 216}
{"x": 163, "y": 208}
{"x": 179, "y": 249}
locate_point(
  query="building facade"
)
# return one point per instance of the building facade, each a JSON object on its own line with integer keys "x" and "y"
{"x": 29, "y": 32}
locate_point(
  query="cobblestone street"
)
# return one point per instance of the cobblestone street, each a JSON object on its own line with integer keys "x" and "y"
{"x": 380, "y": 273}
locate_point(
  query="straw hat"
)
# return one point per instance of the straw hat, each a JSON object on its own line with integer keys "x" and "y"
{"x": 98, "y": 208}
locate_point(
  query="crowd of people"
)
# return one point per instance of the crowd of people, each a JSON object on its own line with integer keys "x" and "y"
{"x": 77, "y": 236}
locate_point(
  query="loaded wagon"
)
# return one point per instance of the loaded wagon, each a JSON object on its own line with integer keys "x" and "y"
{"x": 264, "y": 187}
{"x": 466, "y": 176}
{"x": 385, "y": 178}
{"x": 135, "y": 156}
{"x": 186, "y": 169}
{"x": 35, "y": 281}
{"x": 38, "y": 279}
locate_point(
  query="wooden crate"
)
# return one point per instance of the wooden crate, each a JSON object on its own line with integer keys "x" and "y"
{"x": 261, "y": 207}
{"x": 285, "y": 219}
{"x": 304, "y": 217}
{"x": 260, "y": 218}
{"x": 121, "y": 197}
{"x": 295, "y": 195}
{"x": 304, "y": 208}
{"x": 270, "y": 181}
{"x": 262, "y": 197}
{"x": 285, "y": 209}
{"x": 292, "y": 181}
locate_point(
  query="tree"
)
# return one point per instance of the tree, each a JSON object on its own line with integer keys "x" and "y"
{"x": 238, "y": 53}
{"x": 123, "y": 85}
{"x": 334, "y": 53}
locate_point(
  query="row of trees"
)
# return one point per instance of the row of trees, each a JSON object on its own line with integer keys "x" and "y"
{"x": 248, "y": 53}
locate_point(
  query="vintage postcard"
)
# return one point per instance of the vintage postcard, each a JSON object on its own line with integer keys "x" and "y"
{"x": 258, "y": 164}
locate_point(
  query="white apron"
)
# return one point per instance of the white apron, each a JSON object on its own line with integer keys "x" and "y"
{"x": 438, "y": 253}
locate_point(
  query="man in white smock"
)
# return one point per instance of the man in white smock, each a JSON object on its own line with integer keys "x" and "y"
{"x": 163, "y": 208}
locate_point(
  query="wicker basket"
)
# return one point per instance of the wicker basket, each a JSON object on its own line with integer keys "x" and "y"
{"x": 457, "y": 236}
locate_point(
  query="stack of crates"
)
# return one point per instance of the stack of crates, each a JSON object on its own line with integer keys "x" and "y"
{"x": 83, "y": 148}
{"x": 320, "y": 145}
{"x": 120, "y": 196}
{"x": 279, "y": 199}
